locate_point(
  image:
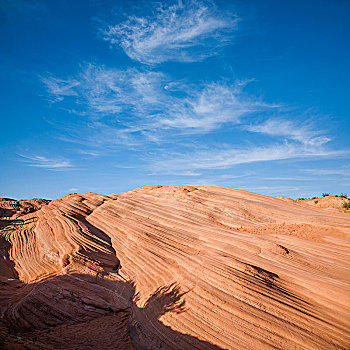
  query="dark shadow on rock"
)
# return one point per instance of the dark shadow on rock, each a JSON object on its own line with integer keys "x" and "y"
{"x": 106, "y": 257}
{"x": 7, "y": 266}
{"x": 79, "y": 311}
{"x": 148, "y": 332}
{"x": 166, "y": 299}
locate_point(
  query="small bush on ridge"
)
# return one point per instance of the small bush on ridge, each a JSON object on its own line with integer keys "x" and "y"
{"x": 346, "y": 205}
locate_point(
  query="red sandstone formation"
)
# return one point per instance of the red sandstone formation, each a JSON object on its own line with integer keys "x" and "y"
{"x": 173, "y": 268}
{"x": 329, "y": 203}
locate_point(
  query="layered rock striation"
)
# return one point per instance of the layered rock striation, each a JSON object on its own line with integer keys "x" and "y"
{"x": 175, "y": 267}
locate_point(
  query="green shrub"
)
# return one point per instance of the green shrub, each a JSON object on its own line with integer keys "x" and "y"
{"x": 316, "y": 201}
{"x": 346, "y": 205}
{"x": 343, "y": 195}
{"x": 314, "y": 197}
{"x": 325, "y": 194}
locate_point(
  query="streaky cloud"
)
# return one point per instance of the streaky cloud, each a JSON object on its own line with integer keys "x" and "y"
{"x": 186, "y": 31}
{"x": 305, "y": 133}
{"x": 58, "y": 89}
{"x": 345, "y": 171}
{"x": 228, "y": 157}
{"x": 39, "y": 161}
{"x": 150, "y": 104}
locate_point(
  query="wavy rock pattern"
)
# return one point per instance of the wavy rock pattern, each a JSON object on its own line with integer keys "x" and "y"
{"x": 176, "y": 268}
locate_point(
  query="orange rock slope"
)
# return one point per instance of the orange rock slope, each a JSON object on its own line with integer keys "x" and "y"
{"x": 327, "y": 203}
{"x": 173, "y": 268}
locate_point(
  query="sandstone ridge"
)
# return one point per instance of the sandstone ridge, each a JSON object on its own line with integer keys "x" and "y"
{"x": 176, "y": 267}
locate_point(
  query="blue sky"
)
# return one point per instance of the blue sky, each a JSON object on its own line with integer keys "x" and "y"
{"x": 106, "y": 96}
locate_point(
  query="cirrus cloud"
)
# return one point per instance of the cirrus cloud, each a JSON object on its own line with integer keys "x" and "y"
{"x": 39, "y": 161}
{"x": 226, "y": 157}
{"x": 303, "y": 132}
{"x": 151, "y": 103}
{"x": 187, "y": 31}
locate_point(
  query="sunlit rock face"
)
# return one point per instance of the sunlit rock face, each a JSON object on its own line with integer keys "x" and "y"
{"x": 173, "y": 268}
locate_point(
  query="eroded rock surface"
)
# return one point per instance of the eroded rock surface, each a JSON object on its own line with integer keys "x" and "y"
{"x": 174, "y": 268}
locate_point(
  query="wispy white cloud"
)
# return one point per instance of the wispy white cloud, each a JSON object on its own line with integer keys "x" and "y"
{"x": 131, "y": 108}
{"x": 58, "y": 89}
{"x": 89, "y": 153}
{"x": 101, "y": 91}
{"x": 115, "y": 104}
{"x": 224, "y": 158}
{"x": 98, "y": 137}
{"x": 305, "y": 133}
{"x": 38, "y": 161}
{"x": 151, "y": 103}
{"x": 73, "y": 189}
{"x": 187, "y": 31}
{"x": 210, "y": 107}
{"x": 325, "y": 172}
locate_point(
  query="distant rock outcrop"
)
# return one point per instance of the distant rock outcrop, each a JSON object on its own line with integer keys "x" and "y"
{"x": 176, "y": 267}
{"x": 331, "y": 203}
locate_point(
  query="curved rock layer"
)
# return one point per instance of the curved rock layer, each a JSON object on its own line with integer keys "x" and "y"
{"x": 175, "y": 268}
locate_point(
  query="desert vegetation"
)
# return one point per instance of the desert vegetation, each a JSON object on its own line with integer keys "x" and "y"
{"x": 326, "y": 194}
{"x": 346, "y": 205}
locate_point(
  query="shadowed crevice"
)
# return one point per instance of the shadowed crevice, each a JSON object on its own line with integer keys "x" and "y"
{"x": 54, "y": 308}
